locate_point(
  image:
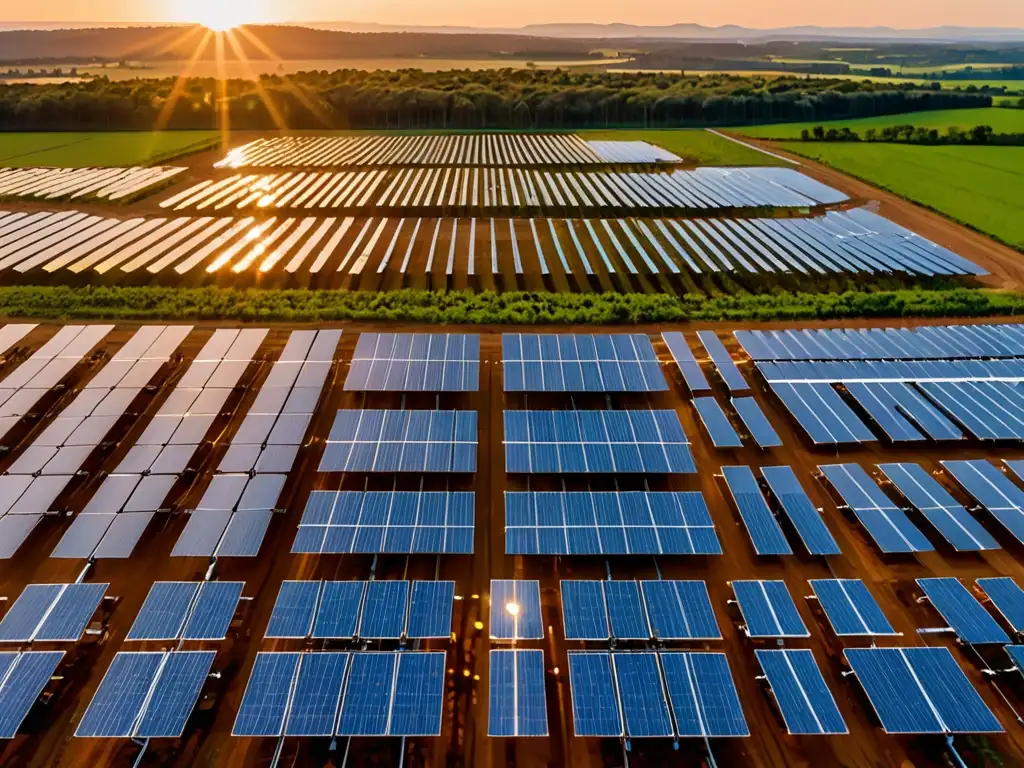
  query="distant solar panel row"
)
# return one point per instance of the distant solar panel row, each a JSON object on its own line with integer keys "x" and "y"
{"x": 631, "y": 610}
{"x": 344, "y": 694}
{"x": 891, "y": 372}
{"x": 399, "y": 522}
{"x": 652, "y": 695}
{"x": 108, "y": 184}
{"x": 51, "y": 613}
{"x": 415, "y": 362}
{"x": 580, "y": 363}
{"x": 371, "y": 610}
{"x": 118, "y": 514}
{"x": 187, "y": 610}
{"x": 586, "y": 523}
{"x": 456, "y": 149}
{"x": 576, "y": 442}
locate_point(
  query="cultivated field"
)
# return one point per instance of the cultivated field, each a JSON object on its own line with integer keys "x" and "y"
{"x": 82, "y": 150}
{"x": 1000, "y": 119}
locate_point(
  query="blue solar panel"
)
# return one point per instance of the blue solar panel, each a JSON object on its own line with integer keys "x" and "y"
{"x": 163, "y": 614}
{"x": 22, "y": 678}
{"x": 515, "y": 610}
{"x": 850, "y": 608}
{"x": 644, "y": 708}
{"x": 174, "y": 694}
{"x": 680, "y": 610}
{"x": 213, "y": 611}
{"x": 294, "y": 609}
{"x": 338, "y": 611}
{"x": 806, "y": 703}
{"x": 584, "y": 523}
{"x": 768, "y": 609}
{"x": 1008, "y": 599}
{"x": 400, "y": 522}
{"x": 886, "y": 523}
{"x": 1016, "y": 654}
{"x": 723, "y": 361}
{"x": 920, "y": 690}
{"x": 580, "y": 363}
{"x": 384, "y": 604}
{"x": 267, "y": 694}
{"x": 366, "y": 708}
{"x": 595, "y": 707}
{"x": 317, "y": 697}
{"x": 584, "y": 612}
{"x": 716, "y": 423}
{"x": 23, "y": 620}
{"x": 756, "y": 422}
{"x": 401, "y": 441}
{"x": 822, "y": 413}
{"x": 941, "y": 510}
{"x": 415, "y": 362}
{"x": 626, "y": 611}
{"x": 578, "y": 442}
{"x": 688, "y": 365}
{"x": 993, "y": 490}
{"x": 804, "y": 516}
{"x": 121, "y": 697}
{"x": 703, "y": 695}
{"x": 1016, "y": 466}
{"x": 884, "y": 411}
{"x": 762, "y": 527}
{"x": 419, "y": 695}
{"x": 71, "y": 612}
{"x": 430, "y": 609}
{"x": 971, "y": 622}
{"x": 518, "y": 705}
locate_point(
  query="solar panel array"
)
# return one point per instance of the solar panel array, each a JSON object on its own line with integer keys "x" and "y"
{"x": 850, "y": 608}
{"x": 993, "y": 490}
{"x": 580, "y": 363}
{"x": 652, "y": 695}
{"x": 920, "y": 690}
{"x": 456, "y": 149}
{"x": 415, "y": 362}
{"x": 107, "y": 184}
{"x": 965, "y": 615}
{"x": 117, "y": 516}
{"x": 234, "y": 513}
{"x": 768, "y": 610}
{"x": 627, "y": 523}
{"x": 146, "y": 695}
{"x": 518, "y": 705}
{"x": 369, "y": 610}
{"x": 661, "y": 610}
{"x": 807, "y": 705}
{"x": 582, "y": 442}
{"x": 1008, "y": 599}
{"x": 23, "y": 676}
{"x": 57, "y": 613}
{"x": 43, "y": 470}
{"x": 187, "y": 610}
{"x": 328, "y": 693}
{"x": 403, "y": 522}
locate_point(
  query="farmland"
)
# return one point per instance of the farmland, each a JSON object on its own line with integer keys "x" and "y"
{"x": 82, "y": 149}
{"x": 1001, "y": 119}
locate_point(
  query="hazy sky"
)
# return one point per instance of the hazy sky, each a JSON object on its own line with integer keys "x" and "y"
{"x": 895, "y": 13}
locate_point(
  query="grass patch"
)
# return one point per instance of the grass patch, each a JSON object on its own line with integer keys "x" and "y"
{"x": 1001, "y": 120}
{"x": 83, "y": 149}
{"x": 981, "y": 187}
{"x": 426, "y": 307}
{"x": 699, "y": 146}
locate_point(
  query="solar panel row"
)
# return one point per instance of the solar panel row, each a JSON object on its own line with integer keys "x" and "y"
{"x": 415, "y": 362}
{"x": 108, "y": 184}
{"x": 187, "y": 610}
{"x": 51, "y": 613}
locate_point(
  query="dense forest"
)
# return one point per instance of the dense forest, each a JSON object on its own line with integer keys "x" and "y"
{"x": 497, "y": 99}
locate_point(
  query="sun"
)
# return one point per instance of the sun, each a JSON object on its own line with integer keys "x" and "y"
{"x": 221, "y": 15}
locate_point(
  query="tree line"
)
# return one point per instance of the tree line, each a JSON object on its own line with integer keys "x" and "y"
{"x": 459, "y": 99}
{"x": 910, "y": 134}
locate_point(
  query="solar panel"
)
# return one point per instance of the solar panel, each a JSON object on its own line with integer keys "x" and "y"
{"x": 965, "y": 615}
{"x": 338, "y": 610}
{"x": 267, "y": 694}
{"x": 803, "y": 697}
{"x": 703, "y": 695}
{"x": 1008, "y": 598}
{"x": 377, "y": 522}
{"x": 757, "y": 424}
{"x": 723, "y": 361}
{"x": 920, "y": 690}
{"x": 174, "y": 694}
{"x": 515, "y": 610}
{"x": 822, "y": 413}
{"x": 941, "y": 510}
{"x": 51, "y": 612}
{"x": 716, "y": 423}
{"x": 295, "y": 609}
{"x": 804, "y": 516}
{"x": 518, "y": 704}
{"x": 401, "y": 441}
{"x": 415, "y": 362}
{"x": 384, "y": 606}
{"x": 644, "y": 706}
{"x": 580, "y": 363}
{"x": 688, "y": 365}
{"x": 595, "y": 706}
{"x": 762, "y": 527}
{"x": 419, "y": 695}
{"x": 680, "y": 610}
{"x": 850, "y": 608}
{"x": 574, "y": 442}
{"x": 993, "y": 490}
{"x": 213, "y": 610}
{"x": 317, "y": 694}
{"x": 584, "y": 523}
{"x": 430, "y": 609}
{"x": 886, "y": 523}
{"x": 584, "y": 611}
{"x": 187, "y": 610}
{"x": 368, "y": 695}
{"x": 768, "y": 609}
{"x": 23, "y": 676}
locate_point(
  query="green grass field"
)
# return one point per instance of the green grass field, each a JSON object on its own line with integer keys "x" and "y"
{"x": 1001, "y": 120}
{"x": 76, "y": 150}
{"x": 979, "y": 186}
{"x": 697, "y": 146}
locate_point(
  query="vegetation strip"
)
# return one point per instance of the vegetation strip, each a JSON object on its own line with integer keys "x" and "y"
{"x": 464, "y": 307}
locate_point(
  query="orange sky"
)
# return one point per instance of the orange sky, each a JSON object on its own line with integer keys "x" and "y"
{"x": 901, "y": 13}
